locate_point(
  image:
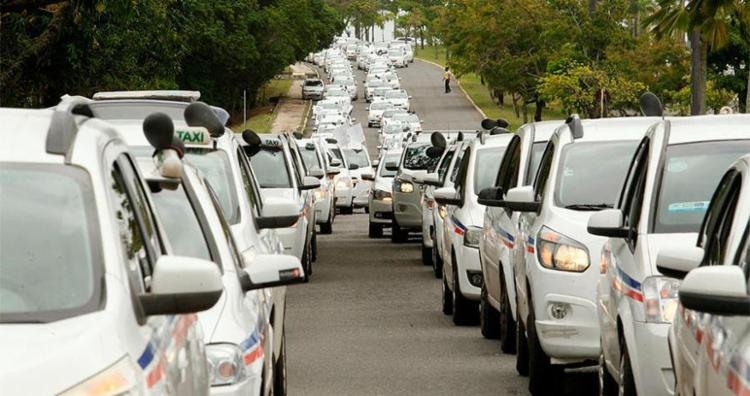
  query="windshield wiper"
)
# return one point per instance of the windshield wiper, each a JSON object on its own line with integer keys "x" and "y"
{"x": 589, "y": 206}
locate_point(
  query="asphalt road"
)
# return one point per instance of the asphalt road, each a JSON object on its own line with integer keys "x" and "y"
{"x": 369, "y": 321}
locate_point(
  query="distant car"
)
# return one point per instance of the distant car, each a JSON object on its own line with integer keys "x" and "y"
{"x": 313, "y": 153}
{"x": 313, "y": 88}
{"x": 397, "y": 57}
{"x": 359, "y": 175}
{"x": 380, "y": 203}
{"x": 408, "y": 120}
{"x": 375, "y": 112}
{"x": 371, "y": 85}
{"x": 399, "y": 98}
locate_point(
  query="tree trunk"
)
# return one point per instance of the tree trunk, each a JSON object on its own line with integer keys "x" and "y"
{"x": 525, "y": 109}
{"x": 697, "y": 73}
{"x": 538, "y": 110}
{"x": 514, "y": 98}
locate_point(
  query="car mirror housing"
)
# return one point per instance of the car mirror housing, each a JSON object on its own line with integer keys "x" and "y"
{"x": 492, "y": 197}
{"x": 335, "y": 162}
{"x": 182, "y": 285}
{"x": 521, "y": 199}
{"x": 270, "y": 270}
{"x": 446, "y": 196}
{"x": 677, "y": 262}
{"x": 368, "y": 177}
{"x": 309, "y": 183}
{"x": 278, "y": 213}
{"x": 333, "y": 170}
{"x": 607, "y": 223}
{"x": 717, "y": 290}
{"x": 392, "y": 166}
{"x": 375, "y": 163}
{"x": 317, "y": 172}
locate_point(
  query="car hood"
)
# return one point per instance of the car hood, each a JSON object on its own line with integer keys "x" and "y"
{"x": 659, "y": 242}
{"x": 384, "y": 184}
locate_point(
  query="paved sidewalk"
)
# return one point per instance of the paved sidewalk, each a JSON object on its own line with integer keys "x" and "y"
{"x": 291, "y": 110}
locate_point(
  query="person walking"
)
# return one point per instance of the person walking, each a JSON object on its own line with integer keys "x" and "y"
{"x": 447, "y": 80}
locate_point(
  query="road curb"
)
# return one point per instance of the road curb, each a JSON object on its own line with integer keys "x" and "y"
{"x": 459, "y": 85}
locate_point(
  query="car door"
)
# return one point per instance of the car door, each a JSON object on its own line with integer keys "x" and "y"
{"x": 172, "y": 357}
{"x": 449, "y": 226}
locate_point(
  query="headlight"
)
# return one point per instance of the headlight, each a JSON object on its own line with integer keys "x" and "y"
{"x": 558, "y": 252}
{"x": 381, "y": 195}
{"x": 225, "y": 365}
{"x": 406, "y": 187}
{"x": 660, "y": 298}
{"x": 472, "y": 236}
{"x": 121, "y": 378}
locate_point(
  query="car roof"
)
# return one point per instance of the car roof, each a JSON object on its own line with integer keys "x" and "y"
{"x": 709, "y": 127}
{"x": 24, "y": 133}
{"x": 612, "y": 129}
{"x": 171, "y": 95}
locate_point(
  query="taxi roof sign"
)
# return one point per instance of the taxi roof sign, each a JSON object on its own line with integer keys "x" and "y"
{"x": 173, "y": 95}
{"x": 193, "y": 135}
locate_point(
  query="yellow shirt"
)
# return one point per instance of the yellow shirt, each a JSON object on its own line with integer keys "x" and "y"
{"x": 447, "y": 75}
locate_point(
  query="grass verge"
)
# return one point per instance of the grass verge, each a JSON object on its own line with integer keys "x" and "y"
{"x": 260, "y": 119}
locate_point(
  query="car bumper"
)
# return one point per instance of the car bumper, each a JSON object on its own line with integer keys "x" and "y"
{"x": 652, "y": 367}
{"x": 249, "y": 386}
{"x": 343, "y": 197}
{"x": 407, "y": 210}
{"x": 574, "y": 336}
{"x": 467, "y": 259}
{"x": 381, "y": 212}
{"x": 361, "y": 194}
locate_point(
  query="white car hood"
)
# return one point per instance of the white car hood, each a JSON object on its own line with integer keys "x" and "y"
{"x": 383, "y": 184}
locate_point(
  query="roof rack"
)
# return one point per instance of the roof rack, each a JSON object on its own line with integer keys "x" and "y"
{"x": 64, "y": 126}
{"x": 173, "y": 95}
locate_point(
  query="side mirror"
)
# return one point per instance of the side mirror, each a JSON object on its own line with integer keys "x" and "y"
{"x": 368, "y": 177}
{"x": 270, "y": 270}
{"x": 410, "y": 96}
{"x": 717, "y": 290}
{"x": 492, "y": 197}
{"x": 316, "y": 172}
{"x": 335, "y": 162}
{"x": 391, "y": 166}
{"x": 277, "y": 213}
{"x": 521, "y": 199}
{"x": 333, "y": 170}
{"x": 607, "y": 223}
{"x": 375, "y": 163}
{"x": 354, "y": 119}
{"x": 353, "y": 166}
{"x": 446, "y": 196}
{"x": 309, "y": 183}
{"x": 677, "y": 262}
{"x": 182, "y": 285}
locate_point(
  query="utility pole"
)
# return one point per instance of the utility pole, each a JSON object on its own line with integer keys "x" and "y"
{"x": 244, "y": 106}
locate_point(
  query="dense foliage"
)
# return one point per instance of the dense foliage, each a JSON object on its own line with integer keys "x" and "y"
{"x": 219, "y": 47}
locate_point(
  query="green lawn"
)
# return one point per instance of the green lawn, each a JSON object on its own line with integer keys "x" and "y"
{"x": 479, "y": 93}
{"x": 262, "y": 116}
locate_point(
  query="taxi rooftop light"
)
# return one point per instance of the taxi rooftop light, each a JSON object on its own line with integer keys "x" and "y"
{"x": 64, "y": 126}
{"x": 199, "y": 114}
{"x": 575, "y": 126}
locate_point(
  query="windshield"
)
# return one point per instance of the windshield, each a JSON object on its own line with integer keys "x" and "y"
{"x": 486, "y": 167}
{"x": 396, "y": 95}
{"x": 50, "y": 257}
{"x": 214, "y": 164}
{"x": 314, "y": 83}
{"x": 416, "y": 158}
{"x": 310, "y": 157}
{"x": 394, "y": 53}
{"x": 537, "y": 149}
{"x": 336, "y": 92}
{"x": 405, "y": 117}
{"x": 392, "y": 129}
{"x": 690, "y": 175}
{"x": 381, "y": 105}
{"x": 591, "y": 174}
{"x": 181, "y": 223}
{"x": 358, "y": 157}
{"x": 269, "y": 166}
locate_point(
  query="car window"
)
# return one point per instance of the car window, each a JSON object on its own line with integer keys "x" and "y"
{"x": 252, "y": 189}
{"x": 630, "y": 202}
{"x": 214, "y": 164}
{"x": 50, "y": 251}
{"x": 537, "y": 149}
{"x": 357, "y": 156}
{"x": 310, "y": 157}
{"x": 269, "y": 165}
{"x": 689, "y": 176}
{"x": 416, "y": 158}
{"x": 718, "y": 220}
{"x": 389, "y": 158}
{"x": 314, "y": 83}
{"x": 542, "y": 174}
{"x": 507, "y": 174}
{"x": 457, "y": 165}
{"x": 445, "y": 163}
{"x": 486, "y": 166}
{"x": 591, "y": 174}
{"x": 233, "y": 250}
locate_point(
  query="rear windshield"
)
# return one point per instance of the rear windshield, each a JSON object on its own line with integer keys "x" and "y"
{"x": 591, "y": 174}
{"x": 314, "y": 83}
{"x": 486, "y": 167}
{"x": 537, "y": 149}
{"x": 396, "y": 95}
{"x": 214, "y": 164}
{"x": 416, "y": 158}
{"x": 381, "y": 105}
{"x": 358, "y": 157}
{"x": 270, "y": 168}
{"x": 50, "y": 255}
{"x": 690, "y": 175}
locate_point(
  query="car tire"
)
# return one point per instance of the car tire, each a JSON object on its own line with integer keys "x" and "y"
{"x": 507, "y": 322}
{"x": 627, "y": 382}
{"x": 398, "y": 235}
{"x": 522, "y": 350}
{"x": 346, "y": 210}
{"x": 607, "y": 384}
{"x": 369, "y": 125}
{"x": 447, "y": 298}
{"x": 367, "y": 210}
{"x": 314, "y": 243}
{"x": 489, "y": 318}
{"x": 426, "y": 255}
{"x": 437, "y": 263}
{"x": 541, "y": 372}
{"x": 327, "y": 227}
{"x": 375, "y": 230}
{"x": 279, "y": 369}
{"x": 465, "y": 312}
{"x": 307, "y": 261}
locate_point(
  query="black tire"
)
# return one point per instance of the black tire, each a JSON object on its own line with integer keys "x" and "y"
{"x": 346, "y": 210}
{"x": 627, "y": 382}
{"x": 307, "y": 261}
{"x": 447, "y": 298}
{"x": 465, "y": 312}
{"x": 507, "y": 322}
{"x": 541, "y": 372}
{"x": 327, "y": 227}
{"x": 369, "y": 124}
{"x": 489, "y": 318}
{"x": 522, "y": 349}
{"x": 279, "y": 369}
{"x": 375, "y": 231}
{"x": 398, "y": 235}
{"x": 426, "y": 255}
{"x": 314, "y": 243}
{"x": 437, "y": 262}
{"x": 607, "y": 384}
